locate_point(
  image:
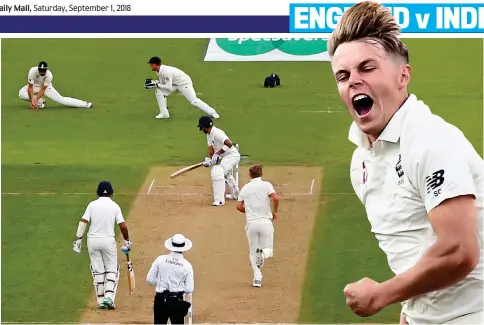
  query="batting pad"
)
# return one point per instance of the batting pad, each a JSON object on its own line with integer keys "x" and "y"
{"x": 218, "y": 183}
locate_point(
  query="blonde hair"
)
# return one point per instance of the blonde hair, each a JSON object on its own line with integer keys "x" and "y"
{"x": 369, "y": 22}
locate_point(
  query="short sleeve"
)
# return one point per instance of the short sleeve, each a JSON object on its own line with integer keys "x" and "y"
{"x": 119, "y": 215}
{"x": 87, "y": 213}
{"x": 438, "y": 161}
{"x": 31, "y": 76}
{"x": 270, "y": 189}
{"x": 241, "y": 194}
{"x": 221, "y": 136}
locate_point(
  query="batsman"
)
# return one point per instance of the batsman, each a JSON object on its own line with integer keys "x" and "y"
{"x": 103, "y": 214}
{"x": 223, "y": 156}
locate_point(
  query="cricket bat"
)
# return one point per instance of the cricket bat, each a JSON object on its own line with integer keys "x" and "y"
{"x": 186, "y": 169}
{"x": 131, "y": 280}
{"x": 188, "y": 297}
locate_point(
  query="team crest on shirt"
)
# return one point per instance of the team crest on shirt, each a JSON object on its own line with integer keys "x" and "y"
{"x": 399, "y": 170}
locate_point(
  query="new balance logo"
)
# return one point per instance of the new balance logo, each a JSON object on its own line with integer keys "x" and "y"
{"x": 435, "y": 180}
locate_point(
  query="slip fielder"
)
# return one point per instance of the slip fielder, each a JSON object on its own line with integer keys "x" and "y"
{"x": 171, "y": 79}
{"x": 255, "y": 201}
{"x": 223, "y": 156}
{"x": 40, "y": 84}
{"x": 103, "y": 214}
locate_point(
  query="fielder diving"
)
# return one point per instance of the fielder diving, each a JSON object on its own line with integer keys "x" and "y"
{"x": 103, "y": 214}
{"x": 40, "y": 84}
{"x": 171, "y": 79}
{"x": 223, "y": 156}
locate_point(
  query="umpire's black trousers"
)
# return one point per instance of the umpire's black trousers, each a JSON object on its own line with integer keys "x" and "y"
{"x": 170, "y": 305}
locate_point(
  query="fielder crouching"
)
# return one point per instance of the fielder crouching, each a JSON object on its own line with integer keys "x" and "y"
{"x": 172, "y": 275}
{"x": 103, "y": 214}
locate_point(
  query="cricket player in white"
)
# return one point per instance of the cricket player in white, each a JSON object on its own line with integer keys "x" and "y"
{"x": 103, "y": 214}
{"x": 222, "y": 158}
{"x": 40, "y": 84}
{"x": 172, "y": 275}
{"x": 419, "y": 178}
{"x": 171, "y": 79}
{"x": 255, "y": 201}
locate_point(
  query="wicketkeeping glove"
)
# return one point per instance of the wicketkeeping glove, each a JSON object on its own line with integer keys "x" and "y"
{"x": 126, "y": 248}
{"x": 150, "y": 84}
{"x": 77, "y": 246}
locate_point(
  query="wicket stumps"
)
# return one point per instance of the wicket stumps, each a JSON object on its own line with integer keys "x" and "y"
{"x": 237, "y": 167}
{"x": 189, "y": 316}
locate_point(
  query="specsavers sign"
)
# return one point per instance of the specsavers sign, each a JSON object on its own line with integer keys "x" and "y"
{"x": 267, "y": 49}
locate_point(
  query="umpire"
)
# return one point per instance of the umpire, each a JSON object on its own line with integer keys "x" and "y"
{"x": 172, "y": 275}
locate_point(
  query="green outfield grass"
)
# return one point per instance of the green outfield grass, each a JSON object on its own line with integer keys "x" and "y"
{"x": 62, "y": 150}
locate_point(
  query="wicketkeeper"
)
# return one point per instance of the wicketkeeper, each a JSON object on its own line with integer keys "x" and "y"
{"x": 103, "y": 214}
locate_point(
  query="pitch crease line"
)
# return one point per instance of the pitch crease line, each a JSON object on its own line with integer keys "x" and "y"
{"x": 149, "y": 190}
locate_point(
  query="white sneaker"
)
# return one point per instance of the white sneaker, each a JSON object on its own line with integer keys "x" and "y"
{"x": 259, "y": 258}
{"x": 90, "y": 105}
{"x": 230, "y": 197}
{"x": 161, "y": 115}
{"x": 217, "y": 203}
{"x": 215, "y": 115}
{"x": 257, "y": 283}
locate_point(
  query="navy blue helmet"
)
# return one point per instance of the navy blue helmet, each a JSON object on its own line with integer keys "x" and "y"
{"x": 104, "y": 189}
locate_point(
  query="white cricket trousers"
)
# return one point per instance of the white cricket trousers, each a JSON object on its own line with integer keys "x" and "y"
{"x": 260, "y": 234}
{"x": 188, "y": 92}
{"x": 222, "y": 175}
{"x": 104, "y": 266}
{"x": 53, "y": 94}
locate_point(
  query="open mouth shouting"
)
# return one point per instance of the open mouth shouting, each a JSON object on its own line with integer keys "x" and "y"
{"x": 362, "y": 104}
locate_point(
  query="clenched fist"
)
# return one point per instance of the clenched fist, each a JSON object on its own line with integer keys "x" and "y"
{"x": 362, "y": 297}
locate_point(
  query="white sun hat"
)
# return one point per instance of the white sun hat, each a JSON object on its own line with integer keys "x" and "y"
{"x": 178, "y": 243}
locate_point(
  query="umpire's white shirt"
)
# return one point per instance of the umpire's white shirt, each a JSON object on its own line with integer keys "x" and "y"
{"x": 255, "y": 195}
{"x": 171, "y": 272}
{"x": 103, "y": 214}
{"x": 38, "y": 81}
{"x": 173, "y": 76}
{"x": 417, "y": 162}
{"x": 216, "y": 139}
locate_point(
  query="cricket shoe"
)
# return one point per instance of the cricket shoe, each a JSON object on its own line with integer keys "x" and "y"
{"x": 90, "y": 105}
{"x": 101, "y": 306}
{"x": 215, "y": 115}
{"x": 217, "y": 203}
{"x": 161, "y": 115}
{"x": 108, "y": 303}
{"x": 259, "y": 258}
{"x": 230, "y": 197}
{"x": 257, "y": 283}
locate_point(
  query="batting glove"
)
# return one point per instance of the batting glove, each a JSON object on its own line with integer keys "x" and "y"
{"x": 77, "y": 246}
{"x": 215, "y": 159}
{"x": 126, "y": 248}
{"x": 207, "y": 162}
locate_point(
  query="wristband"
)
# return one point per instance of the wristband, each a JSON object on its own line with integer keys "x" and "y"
{"x": 225, "y": 148}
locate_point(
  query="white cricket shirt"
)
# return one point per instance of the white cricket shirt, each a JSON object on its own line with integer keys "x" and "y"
{"x": 103, "y": 214}
{"x": 418, "y": 161}
{"x": 171, "y": 272}
{"x": 257, "y": 201}
{"x": 171, "y": 76}
{"x": 216, "y": 139}
{"x": 38, "y": 81}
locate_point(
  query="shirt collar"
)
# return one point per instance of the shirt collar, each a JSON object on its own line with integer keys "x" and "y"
{"x": 392, "y": 131}
{"x": 256, "y": 179}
